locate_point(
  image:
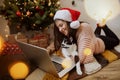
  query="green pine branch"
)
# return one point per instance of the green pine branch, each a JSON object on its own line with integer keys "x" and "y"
{"x": 32, "y": 13}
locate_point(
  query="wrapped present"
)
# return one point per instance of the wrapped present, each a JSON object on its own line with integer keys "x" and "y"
{"x": 21, "y": 37}
{"x": 110, "y": 56}
{"x": 11, "y": 38}
{"x": 43, "y": 42}
{"x": 24, "y": 40}
{"x": 33, "y": 42}
{"x": 40, "y": 39}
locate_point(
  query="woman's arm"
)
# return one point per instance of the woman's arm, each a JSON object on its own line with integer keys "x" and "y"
{"x": 51, "y": 48}
{"x": 85, "y": 42}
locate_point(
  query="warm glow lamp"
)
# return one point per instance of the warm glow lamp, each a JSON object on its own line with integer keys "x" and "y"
{"x": 102, "y": 10}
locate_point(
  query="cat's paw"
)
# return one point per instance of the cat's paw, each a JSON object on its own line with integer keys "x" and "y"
{"x": 78, "y": 68}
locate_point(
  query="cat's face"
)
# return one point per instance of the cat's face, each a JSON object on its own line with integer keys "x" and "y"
{"x": 66, "y": 43}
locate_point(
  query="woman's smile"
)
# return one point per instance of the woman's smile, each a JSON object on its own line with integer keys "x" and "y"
{"x": 62, "y": 26}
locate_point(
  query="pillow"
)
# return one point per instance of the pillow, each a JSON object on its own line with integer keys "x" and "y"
{"x": 109, "y": 55}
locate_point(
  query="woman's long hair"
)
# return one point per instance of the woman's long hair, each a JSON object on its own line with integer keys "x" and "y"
{"x": 58, "y": 36}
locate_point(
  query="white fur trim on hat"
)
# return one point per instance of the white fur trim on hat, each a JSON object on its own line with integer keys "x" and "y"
{"x": 75, "y": 24}
{"x": 63, "y": 15}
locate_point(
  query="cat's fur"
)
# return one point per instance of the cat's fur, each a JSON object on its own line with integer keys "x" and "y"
{"x": 69, "y": 50}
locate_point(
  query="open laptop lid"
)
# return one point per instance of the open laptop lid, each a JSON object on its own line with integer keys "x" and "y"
{"x": 39, "y": 57}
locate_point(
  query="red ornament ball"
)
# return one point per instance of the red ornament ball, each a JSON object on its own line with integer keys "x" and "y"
{"x": 18, "y": 13}
{"x": 37, "y": 8}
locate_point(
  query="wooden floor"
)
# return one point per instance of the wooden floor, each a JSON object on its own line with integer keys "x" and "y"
{"x": 110, "y": 72}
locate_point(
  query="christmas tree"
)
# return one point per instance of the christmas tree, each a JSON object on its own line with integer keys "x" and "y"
{"x": 33, "y": 14}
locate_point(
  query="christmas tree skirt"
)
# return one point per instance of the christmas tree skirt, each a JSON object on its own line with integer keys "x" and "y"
{"x": 72, "y": 75}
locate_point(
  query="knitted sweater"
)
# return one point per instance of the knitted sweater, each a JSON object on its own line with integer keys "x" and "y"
{"x": 87, "y": 39}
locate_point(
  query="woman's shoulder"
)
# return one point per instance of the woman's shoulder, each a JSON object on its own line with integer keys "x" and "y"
{"x": 84, "y": 24}
{"x": 84, "y": 27}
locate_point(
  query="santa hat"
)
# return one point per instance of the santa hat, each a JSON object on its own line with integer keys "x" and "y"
{"x": 69, "y": 15}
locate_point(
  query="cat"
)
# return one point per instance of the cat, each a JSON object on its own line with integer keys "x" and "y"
{"x": 69, "y": 50}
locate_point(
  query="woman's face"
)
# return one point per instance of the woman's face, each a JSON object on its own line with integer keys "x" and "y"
{"x": 62, "y": 26}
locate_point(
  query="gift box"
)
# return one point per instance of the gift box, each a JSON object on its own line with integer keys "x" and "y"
{"x": 21, "y": 37}
{"x": 43, "y": 42}
{"x": 40, "y": 39}
{"x": 33, "y": 42}
{"x": 24, "y": 40}
{"x": 11, "y": 38}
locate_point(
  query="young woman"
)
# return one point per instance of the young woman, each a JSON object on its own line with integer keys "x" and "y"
{"x": 88, "y": 43}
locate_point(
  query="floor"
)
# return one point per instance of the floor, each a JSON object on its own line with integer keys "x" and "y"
{"x": 109, "y": 72}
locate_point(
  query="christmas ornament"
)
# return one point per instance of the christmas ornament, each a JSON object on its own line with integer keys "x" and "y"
{"x": 18, "y": 13}
{"x": 18, "y": 26}
{"x": 49, "y": 3}
{"x": 41, "y": 12}
{"x": 37, "y": 8}
{"x": 28, "y": 13}
{"x": 9, "y": 3}
{"x": 35, "y": 1}
{"x": 25, "y": 3}
{"x": 58, "y": 3}
{"x": 51, "y": 14}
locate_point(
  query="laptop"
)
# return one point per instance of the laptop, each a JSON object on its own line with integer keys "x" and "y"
{"x": 39, "y": 56}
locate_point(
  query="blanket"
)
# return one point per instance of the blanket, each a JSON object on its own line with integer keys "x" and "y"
{"x": 104, "y": 59}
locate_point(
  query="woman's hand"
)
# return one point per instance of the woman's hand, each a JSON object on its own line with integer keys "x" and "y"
{"x": 50, "y": 48}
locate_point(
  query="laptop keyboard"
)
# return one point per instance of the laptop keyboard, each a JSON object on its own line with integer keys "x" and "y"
{"x": 58, "y": 66}
{"x": 57, "y": 60}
